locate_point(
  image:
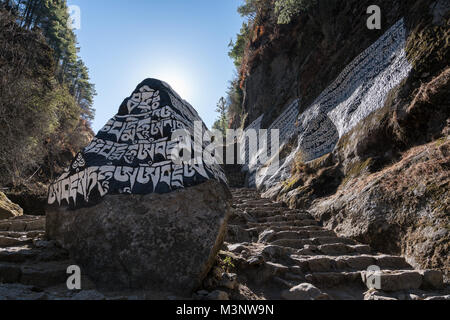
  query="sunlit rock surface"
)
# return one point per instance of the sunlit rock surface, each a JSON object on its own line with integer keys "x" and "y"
{"x": 128, "y": 213}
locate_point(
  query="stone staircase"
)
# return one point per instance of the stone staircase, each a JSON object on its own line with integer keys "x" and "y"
{"x": 280, "y": 253}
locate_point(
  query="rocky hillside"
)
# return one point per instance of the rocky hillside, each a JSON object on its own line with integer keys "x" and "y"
{"x": 364, "y": 121}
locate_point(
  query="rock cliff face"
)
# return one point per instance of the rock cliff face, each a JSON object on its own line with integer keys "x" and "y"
{"x": 366, "y": 149}
{"x": 132, "y": 213}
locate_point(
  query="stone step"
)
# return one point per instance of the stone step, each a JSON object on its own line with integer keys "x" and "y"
{"x": 289, "y": 228}
{"x": 269, "y": 237}
{"x": 41, "y": 275}
{"x": 267, "y": 271}
{"x": 245, "y": 195}
{"x": 347, "y": 263}
{"x": 18, "y": 254}
{"x": 343, "y": 249}
{"x": 272, "y": 252}
{"x": 261, "y": 203}
{"x": 296, "y": 249}
{"x": 294, "y": 223}
{"x": 333, "y": 240}
{"x": 301, "y": 243}
{"x": 337, "y": 249}
{"x": 22, "y": 224}
{"x": 27, "y": 234}
{"x": 397, "y": 280}
{"x": 294, "y": 244}
{"x": 30, "y": 253}
{"x": 11, "y": 242}
{"x": 272, "y": 212}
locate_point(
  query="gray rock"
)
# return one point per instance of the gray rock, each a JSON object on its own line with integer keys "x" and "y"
{"x": 378, "y": 296}
{"x": 166, "y": 241}
{"x": 236, "y": 247}
{"x": 19, "y": 292}
{"x": 438, "y": 298}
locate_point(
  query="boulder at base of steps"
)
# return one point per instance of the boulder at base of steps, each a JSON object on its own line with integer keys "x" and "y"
{"x": 132, "y": 214}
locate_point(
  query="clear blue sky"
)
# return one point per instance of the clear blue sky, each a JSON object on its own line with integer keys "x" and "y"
{"x": 183, "y": 42}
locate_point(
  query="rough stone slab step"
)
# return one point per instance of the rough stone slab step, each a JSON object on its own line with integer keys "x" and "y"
{"x": 21, "y": 224}
{"x": 389, "y": 281}
{"x": 343, "y": 249}
{"x": 35, "y": 225}
{"x": 11, "y": 242}
{"x": 272, "y": 212}
{"x": 334, "y": 279}
{"x": 10, "y": 273}
{"x": 29, "y": 253}
{"x": 269, "y": 237}
{"x": 244, "y": 193}
{"x": 41, "y": 275}
{"x": 295, "y": 244}
{"x": 301, "y": 243}
{"x": 272, "y": 252}
{"x": 18, "y": 254}
{"x": 284, "y": 283}
{"x": 354, "y": 263}
{"x": 244, "y": 198}
{"x": 336, "y": 249}
{"x": 267, "y": 271}
{"x": 334, "y": 240}
{"x": 289, "y": 228}
{"x": 439, "y": 298}
{"x": 260, "y": 203}
{"x": 286, "y": 217}
{"x": 295, "y": 223}
{"x": 26, "y": 234}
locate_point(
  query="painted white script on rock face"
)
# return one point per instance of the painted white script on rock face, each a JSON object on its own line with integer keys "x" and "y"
{"x": 360, "y": 89}
{"x": 133, "y": 152}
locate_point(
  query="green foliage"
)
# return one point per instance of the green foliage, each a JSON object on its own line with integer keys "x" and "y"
{"x": 286, "y": 10}
{"x": 39, "y": 114}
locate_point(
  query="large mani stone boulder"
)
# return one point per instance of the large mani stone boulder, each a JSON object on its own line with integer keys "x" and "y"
{"x": 130, "y": 215}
